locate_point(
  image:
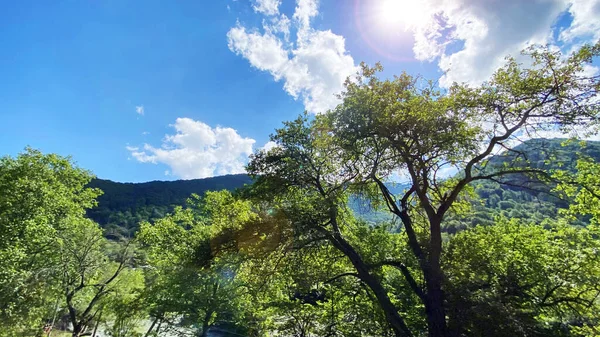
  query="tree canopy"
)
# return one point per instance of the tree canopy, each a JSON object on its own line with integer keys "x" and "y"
{"x": 408, "y": 125}
{"x": 55, "y": 261}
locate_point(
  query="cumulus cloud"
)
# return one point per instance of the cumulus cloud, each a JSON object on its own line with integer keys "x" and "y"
{"x": 586, "y": 22}
{"x": 306, "y": 10}
{"x": 470, "y": 38}
{"x": 488, "y": 31}
{"x": 197, "y": 150}
{"x": 139, "y": 110}
{"x": 312, "y": 68}
{"x": 268, "y": 146}
{"x": 467, "y": 39}
{"x": 267, "y": 7}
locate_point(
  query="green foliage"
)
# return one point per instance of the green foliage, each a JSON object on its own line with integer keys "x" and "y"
{"x": 582, "y": 187}
{"x": 289, "y": 256}
{"x": 304, "y": 287}
{"x": 56, "y": 263}
{"x": 524, "y": 197}
{"x": 123, "y": 206}
{"x": 516, "y": 279}
{"x": 125, "y": 309}
{"x": 90, "y": 279}
{"x": 407, "y": 124}
{"x": 41, "y": 197}
{"x": 191, "y": 283}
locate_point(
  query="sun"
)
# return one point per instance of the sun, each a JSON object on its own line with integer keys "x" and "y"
{"x": 388, "y": 26}
{"x": 399, "y": 14}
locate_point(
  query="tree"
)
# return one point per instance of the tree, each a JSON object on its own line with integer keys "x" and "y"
{"x": 190, "y": 276}
{"x": 89, "y": 278}
{"x": 583, "y": 188}
{"x": 519, "y": 279}
{"x": 41, "y": 196}
{"x": 407, "y": 125}
{"x": 123, "y": 309}
{"x": 306, "y": 288}
{"x": 55, "y": 261}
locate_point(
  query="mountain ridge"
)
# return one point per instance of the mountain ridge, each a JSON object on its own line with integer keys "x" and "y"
{"x": 124, "y": 205}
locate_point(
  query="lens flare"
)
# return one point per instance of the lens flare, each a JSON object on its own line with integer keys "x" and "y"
{"x": 398, "y": 14}
{"x": 387, "y": 25}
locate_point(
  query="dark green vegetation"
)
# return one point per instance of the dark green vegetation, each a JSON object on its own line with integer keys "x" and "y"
{"x": 519, "y": 196}
{"x": 123, "y": 206}
{"x": 506, "y": 246}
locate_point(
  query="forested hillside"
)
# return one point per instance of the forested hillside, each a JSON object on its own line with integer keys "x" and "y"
{"x": 123, "y": 206}
{"x": 521, "y": 196}
{"x": 518, "y": 196}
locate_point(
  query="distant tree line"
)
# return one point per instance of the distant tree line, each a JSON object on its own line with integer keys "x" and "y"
{"x": 122, "y": 206}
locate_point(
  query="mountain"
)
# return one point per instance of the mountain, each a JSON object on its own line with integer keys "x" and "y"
{"x": 517, "y": 195}
{"x": 124, "y": 205}
{"x": 520, "y": 196}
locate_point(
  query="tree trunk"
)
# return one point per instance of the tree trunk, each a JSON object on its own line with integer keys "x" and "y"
{"x": 434, "y": 304}
{"x": 96, "y": 325}
{"x": 158, "y": 327}
{"x": 391, "y": 312}
{"x": 436, "y": 315}
{"x": 151, "y": 327}
{"x": 429, "y": 259}
{"x": 206, "y": 323}
{"x": 78, "y": 330}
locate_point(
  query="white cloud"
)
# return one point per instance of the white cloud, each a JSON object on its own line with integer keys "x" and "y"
{"x": 268, "y": 146}
{"x": 263, "y": 51}
{"x": 312, "y": 68}
{"x": 306, "y": 10}
{"x": 280, "y": 24}
{"x": 467, "y": 39}
{"x": 139, "y": 110}
{"x": 197, "y": 150}
{"x": 267, "y": 7}
{"x": 470, "y": 38}
{"x": 586, "y": 20}
{"x": 145, "y": 133}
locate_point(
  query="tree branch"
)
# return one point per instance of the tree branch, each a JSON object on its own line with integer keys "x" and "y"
{"x": 342, "y": 275}
{"x": 407, "y": 275}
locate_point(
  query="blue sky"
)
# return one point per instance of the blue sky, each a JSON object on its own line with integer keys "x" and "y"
{"x": 161, "y": 90}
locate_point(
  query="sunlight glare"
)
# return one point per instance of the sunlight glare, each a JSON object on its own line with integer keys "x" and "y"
{"x": 399, "y": 14}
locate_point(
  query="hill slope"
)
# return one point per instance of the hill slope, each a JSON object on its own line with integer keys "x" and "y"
{"x": 519, "y": 196}
{"x": 124, "y": 205}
